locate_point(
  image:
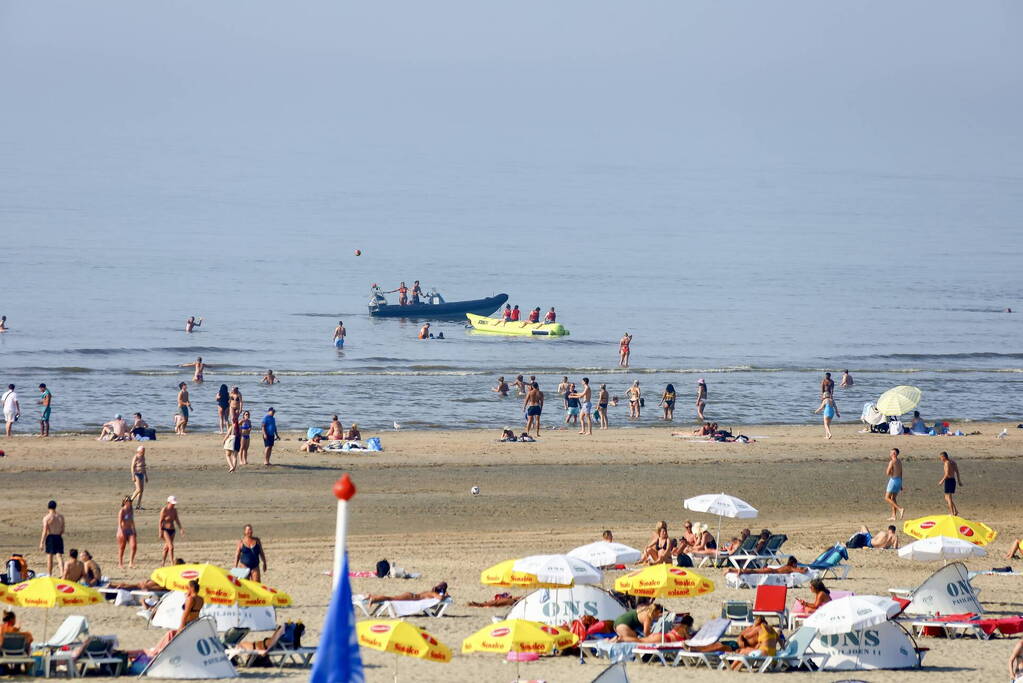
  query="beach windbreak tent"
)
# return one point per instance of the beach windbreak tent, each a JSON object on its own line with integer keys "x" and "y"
{"x": 946, "y": 591}
{"x": 168, "y": 615}
{"x": 884, "y": 646}
{"x": 566, "y": 604}
{"x": 195, "y": 653}
{"x": 613, "y": 674}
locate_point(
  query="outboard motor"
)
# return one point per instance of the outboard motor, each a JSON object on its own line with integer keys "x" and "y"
{"x": 433, "y": 297}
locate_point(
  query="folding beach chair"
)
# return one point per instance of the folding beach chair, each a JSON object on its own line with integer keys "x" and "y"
{"x": 772, "y": 549}
{"x": 71, "y": 631}
{"x": 738, "y": 612}
{"x": 791, "y": 657}
{"x": 708, "y": 634}
{"x": 769, "y": 601}
{"x": 830, "y": 562}
{"x": 13, "y": 648}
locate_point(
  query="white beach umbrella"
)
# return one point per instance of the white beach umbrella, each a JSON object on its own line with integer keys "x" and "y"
{"x": 722, "y": 505}
{"x": 940, "y": 548}
{"x": 605, "y": 554}
{"x": 558, "y": 569}
{"x": 852, "y": 613}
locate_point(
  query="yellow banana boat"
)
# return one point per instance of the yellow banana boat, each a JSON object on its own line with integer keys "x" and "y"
{"x": 519, "y": 328}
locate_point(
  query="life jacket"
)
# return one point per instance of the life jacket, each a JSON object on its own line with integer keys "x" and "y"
{"x": 515, "y": 314}
{"x": 534, "y": 317}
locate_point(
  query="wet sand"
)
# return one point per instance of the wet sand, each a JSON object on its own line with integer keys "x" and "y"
{"x": 414, "y": 508}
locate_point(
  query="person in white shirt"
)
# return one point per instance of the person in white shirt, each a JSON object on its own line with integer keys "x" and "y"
{"x": 12, "y": 409}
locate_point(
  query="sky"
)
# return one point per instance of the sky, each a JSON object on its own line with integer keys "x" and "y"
{"x": 909, "y": 87}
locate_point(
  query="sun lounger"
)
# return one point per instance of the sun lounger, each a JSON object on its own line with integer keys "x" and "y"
{"x": 792, "y": 580}
{"x": 771, "y": 551}
{"x": 678, "y": 653}
{"x": 96, "y": 652}
{"x": 71, "y": 631}
{"x": 738, "y": 612}
{"x": 961, "y": 625}
{"x": 791, "y": 657}
{"x": 278, "y": 652}
{"x": 13, "y": 648}
{"x": 603, "y": 648}
{"x": 829, "y": 562}
{"x": 431, "y": 607}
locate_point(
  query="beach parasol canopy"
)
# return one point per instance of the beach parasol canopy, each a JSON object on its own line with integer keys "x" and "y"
{"x": 663, "y": 581}
{"x": 216, "y": 585}
{"x": 502, "y": 574}
{"x": 558, "y": 570}
{"x": 722, "y": 505}
{"x": 899, "y": 400}
{"x": 519, "y": 635}
{"x": 977, "y": 533}
{"x": 47, "y": 591}
{"x": 401, "y": 638}
{"x": 852, "y": 613}
{"x": 605, "y": 553}
{"x": 935, "y": 548}
{"x": 262, "y": 594}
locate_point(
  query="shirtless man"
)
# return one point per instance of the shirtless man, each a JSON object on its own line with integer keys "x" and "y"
{"x": 894, "y": 473}
{"x": 827, "y": 385}
{"x": 336, "y": 431}
{"x": 563, "y": 391}
{"x": 116, "y": 429}
{"x": 139, "y": 475}
{"x": 183, "y": 407}
{"x": 502, "y": 387}
{"x": 847, "y": 380}
{"x": 417, "y": 292}
{"x": 520, "y": 386}
{"x": 585, "y": 407}
{"x": 424, "y": 331}
{"x": 192, "y": 323}
{"x": 52, "y": 539}
{"x": 169, "y": 525}
{"x": 634, "y": 395}
{"x": 73, "y": 569}
{"x": 949, "y": 479}
{"x": 93, "y": 574}
{"x": 886, "y": 540}
{"x": 270, "y": 377}
{"x": 624, "y": 351}
{"x": 339, "y": 335}
{"x": 199, "y": 366}
{"x": 532, "y": 404}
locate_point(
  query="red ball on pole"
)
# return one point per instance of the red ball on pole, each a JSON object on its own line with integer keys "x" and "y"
{"x": 344, "y": 489}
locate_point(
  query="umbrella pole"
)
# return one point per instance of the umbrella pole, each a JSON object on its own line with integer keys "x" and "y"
{"x": 396, "y": 669}
{"x": 717, "y": 549}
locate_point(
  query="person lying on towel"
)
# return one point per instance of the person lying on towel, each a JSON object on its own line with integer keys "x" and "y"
{"x": 440, "y": 591}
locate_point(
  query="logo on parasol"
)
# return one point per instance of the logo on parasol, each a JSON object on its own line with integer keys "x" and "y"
{"x": 499, "y": 632}
{"x": 380, "y": 628}
{"x": 966, "y": 531}
{"x": 190, "y": 574}
{"x": 927, "y": 525}
{"x": 65, "y": 588}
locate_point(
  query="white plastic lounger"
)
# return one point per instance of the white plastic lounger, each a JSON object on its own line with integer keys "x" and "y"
{"x": 952, "y": 629}
{"x": 431, "y": 607}
{"x": 708, "y": 634}
{"x": 753, "y": 580}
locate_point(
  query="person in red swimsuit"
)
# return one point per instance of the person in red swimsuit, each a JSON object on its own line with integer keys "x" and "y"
{"x": 534, "y": 315}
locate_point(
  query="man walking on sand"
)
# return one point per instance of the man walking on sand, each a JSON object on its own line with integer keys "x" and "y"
{"x": 51, "y": 541}
{"x": 270, "y": 435}
{"x": 169, "y": 525}
{"x": 183, "y": 407}
{"x": 12, "y": 409}
{"x": 949, "y": 480}
{"x": 894, "y": 473}
{"x": 585, "y": 407}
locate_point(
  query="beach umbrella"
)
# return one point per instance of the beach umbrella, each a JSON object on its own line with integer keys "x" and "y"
{"x": 852, "y": 613}
{"x": 503, "y": 574}
{"x": 401, "y": 638}
{"x": 940, "y": 548}
{"x": 977, "y": 533}
{"x": 722, "y": 505}
{"x": 606, "y": 554}
{"x": 664, "y": 581}
{"x": 519, "y": 635}
{"x": 558, "y": 570}
{"x": 48, "y": 592}
{"x": 216, "y": 585}
{"x": 899, "y": 400}
{"x": 265, "y": 595}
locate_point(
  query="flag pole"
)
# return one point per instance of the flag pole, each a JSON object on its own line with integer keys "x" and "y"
{"x": 344, "y": 489}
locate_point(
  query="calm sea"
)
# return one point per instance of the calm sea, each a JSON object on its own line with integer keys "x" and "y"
{"x": 756, "y": 279}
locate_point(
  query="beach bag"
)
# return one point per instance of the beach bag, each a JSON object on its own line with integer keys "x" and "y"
{"x": 684, "y": 560}
{"x": 383, "y": 569}
{"x": 373, "y": 444}
{"x": 895, "y": 427}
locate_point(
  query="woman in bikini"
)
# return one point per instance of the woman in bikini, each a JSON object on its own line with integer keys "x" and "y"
{"x": 668, "y": 401}
{"x": 701, "y": 398}
{"x": 623, "y": 350}
{"x": 658, "y": 551}
{"x": 635, "y": 396}
{"x": 250, "y": 553}
{"x": 190, "y": 611}
{"x": 440, "y": 591}
{"x": 236, "y": 404}
{"x": 126, "y": 533}
{"x": 245, "y": 432}
{"x": 139, "y": 475}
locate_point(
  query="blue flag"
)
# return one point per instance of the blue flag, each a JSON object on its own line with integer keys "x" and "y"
{"x": 337, "y": 656}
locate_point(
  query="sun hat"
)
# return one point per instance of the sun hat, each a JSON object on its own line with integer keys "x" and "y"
{"x": 172, "y": 500}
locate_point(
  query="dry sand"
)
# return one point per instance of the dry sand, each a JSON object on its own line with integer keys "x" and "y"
{"x": 413, "y": 507}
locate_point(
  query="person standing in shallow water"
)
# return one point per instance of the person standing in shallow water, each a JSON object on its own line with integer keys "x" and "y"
{"x": 701, "y": 399}
{"x": 624, "y": 350}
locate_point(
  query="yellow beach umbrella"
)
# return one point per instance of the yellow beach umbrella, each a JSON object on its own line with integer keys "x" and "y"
{"x": 664, "y": 581}
{"x": 977, "y": 533}
{"x": 274, "y": 597}
{"x": 503, "y": 574}
{"x": 401, "y": 638}
{"x": 519, "y": 635}
{"x": 899, "y": 400}
{"x": 48, "y": 592}
{"x": 216, "y": 585}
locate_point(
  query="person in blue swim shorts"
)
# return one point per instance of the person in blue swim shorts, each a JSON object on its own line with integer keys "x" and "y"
{"x": 894, "y": 473}
{"x": 339, "y": 335}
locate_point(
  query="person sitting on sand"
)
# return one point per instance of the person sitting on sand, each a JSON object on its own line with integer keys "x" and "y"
{"x": 886, "y": 540}
{"x": 1016, "y": 550}
{"x": 821, "y": 597}
{"x": 440, "y": 591}
{"x": 508, "y": 435}
{"x": 760, "y": 641}
{"x": 526, "y": 438}
{"x": 918, "y": 426}
{"x": 74, "y": 570}
{"x": 660, "y": 550}
{"x": 115, "y": 430}
{"x": 636, "y": 623}
{"x": 706, "y": 429}
{"x": 93, "y": 575}
{"x": 688, "y": 538}
{"x": 138, "y": 426}
{"x": 335, "y": 432}
{"x": 313, "y": 445}
{"x": 353, "y": 433}
{"x": 499, "y": 600}
{"x": 791, "y": 566}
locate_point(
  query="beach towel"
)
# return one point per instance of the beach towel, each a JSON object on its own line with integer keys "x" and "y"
{"x": 313, "y": 431}
{"x": 373, "y": 444}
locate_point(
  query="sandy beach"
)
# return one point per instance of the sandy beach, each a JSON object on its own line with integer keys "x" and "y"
{"x": 414, "y": 508}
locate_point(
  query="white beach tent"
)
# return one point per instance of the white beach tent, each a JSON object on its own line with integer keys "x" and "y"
{"x": 562, "y": 605}
{"x": 884, "y": 646}
{"x": 168, "y": 615}
{"x": 195, "y": 653}
{"x": 946, "y": 591}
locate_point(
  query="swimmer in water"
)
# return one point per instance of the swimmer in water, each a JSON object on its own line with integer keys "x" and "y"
{"x": 424, "y": 331}
{"x": 192, "y": 323}
{"x": 270, "y": 378}
{"x": 199, "y": 368}
{"x": 339, "y": 335}
{"x": 3, "y": 323}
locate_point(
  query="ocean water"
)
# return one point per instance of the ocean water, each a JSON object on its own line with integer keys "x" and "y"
{"x": 756, "y": 279}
